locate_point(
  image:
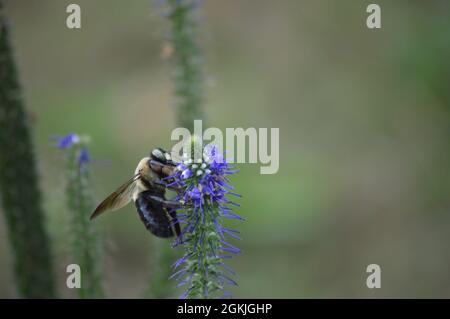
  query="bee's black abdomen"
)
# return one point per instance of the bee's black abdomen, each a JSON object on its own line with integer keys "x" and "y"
{"x": 153, "y": 215}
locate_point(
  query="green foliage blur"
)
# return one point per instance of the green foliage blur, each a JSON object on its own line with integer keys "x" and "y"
{"x": 364, "y": 118}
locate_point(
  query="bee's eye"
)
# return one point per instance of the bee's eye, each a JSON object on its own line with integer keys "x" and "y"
{"x": 158, "y": 155}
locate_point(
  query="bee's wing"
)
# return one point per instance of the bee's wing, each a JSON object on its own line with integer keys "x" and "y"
{"x": 119, "y": 198}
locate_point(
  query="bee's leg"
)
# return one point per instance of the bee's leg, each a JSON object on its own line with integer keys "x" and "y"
{"x": 166, "y": 203}
{"x": 173, "y": 187}
{"x": 176, "y": 225}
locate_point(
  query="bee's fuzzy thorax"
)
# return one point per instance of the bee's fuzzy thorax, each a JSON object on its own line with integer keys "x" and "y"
{"x": 142, "y": 165}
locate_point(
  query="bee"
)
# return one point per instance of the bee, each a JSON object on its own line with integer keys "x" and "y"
{"x": 147, "y": 190}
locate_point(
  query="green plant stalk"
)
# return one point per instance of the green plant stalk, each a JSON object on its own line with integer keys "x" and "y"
{"x": 188, "y": 90}
{"x": 187, "y": 62}
{"x": 202, "y": 248}
{"x": 84, "y": 237}
{"x": 19, "y": 188}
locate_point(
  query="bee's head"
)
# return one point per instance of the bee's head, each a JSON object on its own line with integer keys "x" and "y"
{"x": 160, "y": 155}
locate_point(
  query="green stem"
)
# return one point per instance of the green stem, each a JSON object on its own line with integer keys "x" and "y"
{"x": 187, "y": 63}
{"x": 85, "y": 243}
{"x": 19, "y": 189}
{"x": 203, "y": 246}
{"x": 188, "y": 91}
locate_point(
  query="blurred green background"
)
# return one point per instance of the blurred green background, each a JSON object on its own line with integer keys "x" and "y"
{"x": 364, "y": 118}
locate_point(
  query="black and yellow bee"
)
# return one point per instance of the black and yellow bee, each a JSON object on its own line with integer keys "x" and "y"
{"x": 147, "y": 189}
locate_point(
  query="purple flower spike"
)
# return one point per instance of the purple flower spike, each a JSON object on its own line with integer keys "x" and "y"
{"x": 204, "y": 193}
{"x": 213, "y": 154}
{"x": 83, "y": 157}
{"x": 73, "y": 144}
{"x": 186, "y": 174}
{"x": 64, "y": 142}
